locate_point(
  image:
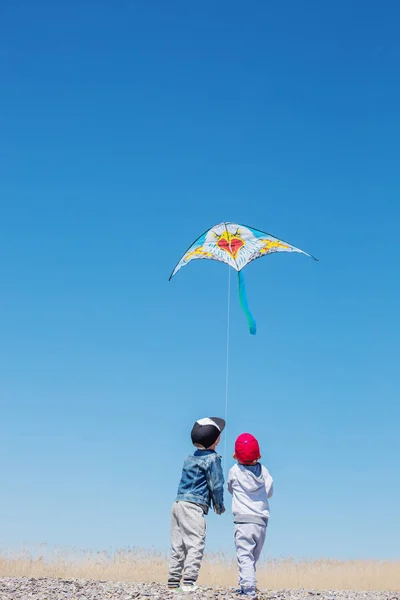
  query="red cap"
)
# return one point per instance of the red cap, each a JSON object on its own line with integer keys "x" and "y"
{"x": 247, "y": 449}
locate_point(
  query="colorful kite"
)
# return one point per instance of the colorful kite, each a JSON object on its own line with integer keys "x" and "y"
{"x": 236, "y": 245}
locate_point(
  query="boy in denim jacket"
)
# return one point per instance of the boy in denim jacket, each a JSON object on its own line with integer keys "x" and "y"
{"x": 201, "y": 486}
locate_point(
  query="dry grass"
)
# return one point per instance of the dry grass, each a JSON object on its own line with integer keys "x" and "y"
{"x": 138, "y": 565}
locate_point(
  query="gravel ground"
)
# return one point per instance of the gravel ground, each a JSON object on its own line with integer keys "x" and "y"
{"x": 21, "y": 588}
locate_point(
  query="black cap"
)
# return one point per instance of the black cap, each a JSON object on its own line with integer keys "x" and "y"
{"x": 206, "y": 431}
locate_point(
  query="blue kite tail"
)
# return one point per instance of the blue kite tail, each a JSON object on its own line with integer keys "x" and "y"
{"x": 245, "y": 306}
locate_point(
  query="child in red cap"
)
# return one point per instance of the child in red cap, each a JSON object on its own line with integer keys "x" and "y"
{"x": 250, "y": 485}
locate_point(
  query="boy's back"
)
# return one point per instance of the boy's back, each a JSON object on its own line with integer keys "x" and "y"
{"x": 250, "y": 486}
{"x": 202, "y": 480}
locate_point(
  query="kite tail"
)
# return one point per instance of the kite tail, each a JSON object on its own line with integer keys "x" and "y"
{"x": 245, "y": 306}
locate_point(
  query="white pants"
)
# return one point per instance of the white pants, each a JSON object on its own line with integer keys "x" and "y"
{"x": 249, "y": 541}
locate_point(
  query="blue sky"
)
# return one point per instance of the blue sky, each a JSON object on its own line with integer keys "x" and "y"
{"x": 126, "y": 131}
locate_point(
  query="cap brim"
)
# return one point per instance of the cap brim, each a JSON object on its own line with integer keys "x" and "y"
{"x": 219, "y": 422}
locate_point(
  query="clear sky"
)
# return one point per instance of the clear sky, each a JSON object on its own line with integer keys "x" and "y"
{"x": 127, "y": 129}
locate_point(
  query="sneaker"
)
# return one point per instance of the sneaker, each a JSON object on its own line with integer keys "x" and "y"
{"x": 248, "y": 592}
{"x": 190, "y": 587}
{"x": 176, "y": 589}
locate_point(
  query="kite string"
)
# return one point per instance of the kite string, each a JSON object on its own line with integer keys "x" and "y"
{"x": 227, "y": 364}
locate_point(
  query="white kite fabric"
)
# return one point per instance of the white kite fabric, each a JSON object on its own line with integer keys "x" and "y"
{"x": 234, "y": 244}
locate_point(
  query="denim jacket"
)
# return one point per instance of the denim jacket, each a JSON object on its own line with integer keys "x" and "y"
{"x": 202, "y": 480}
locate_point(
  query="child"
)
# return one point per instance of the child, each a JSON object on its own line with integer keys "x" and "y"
{"x": 250, "y": 485}
{"x": 201, "y": 486}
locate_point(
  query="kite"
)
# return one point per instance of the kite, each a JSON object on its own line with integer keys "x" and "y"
{"x": 236, "y": 245}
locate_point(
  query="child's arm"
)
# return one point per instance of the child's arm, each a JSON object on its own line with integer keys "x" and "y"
{"x": 215, "y": 481}
{"x": 269, "y": 483}
{"x": 270, "y": 491}
{"x": 230, "y": 481}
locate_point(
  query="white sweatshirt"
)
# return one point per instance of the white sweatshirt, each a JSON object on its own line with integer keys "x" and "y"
{"x": 250, "y": 488}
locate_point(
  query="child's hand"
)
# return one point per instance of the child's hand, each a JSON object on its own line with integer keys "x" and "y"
{"x": 219, "y": 511}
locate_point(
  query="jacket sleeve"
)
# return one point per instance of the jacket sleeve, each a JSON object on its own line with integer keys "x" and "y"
{"x": 269, "y": 483}
{"x": 270, "y": 491}
{"x": 215, "y": 481}
{"x": 231, "y": 479}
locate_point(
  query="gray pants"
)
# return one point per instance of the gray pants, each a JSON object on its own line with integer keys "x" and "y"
{"x": 188, "y": 536}
{"x": 249, "y": 541}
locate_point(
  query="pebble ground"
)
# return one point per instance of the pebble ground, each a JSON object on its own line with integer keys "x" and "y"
{"x": 20, "y": 588}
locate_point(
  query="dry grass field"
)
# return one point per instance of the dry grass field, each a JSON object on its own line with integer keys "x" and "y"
{"x": 140, "y": 566}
